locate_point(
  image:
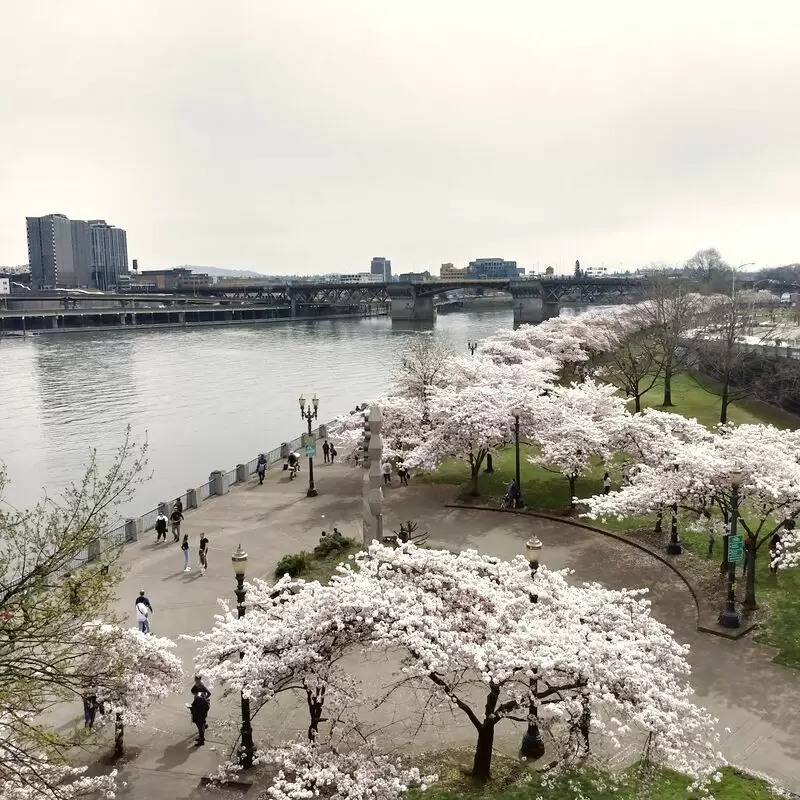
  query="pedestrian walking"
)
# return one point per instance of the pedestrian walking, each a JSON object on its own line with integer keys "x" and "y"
{"x": 185, "y": 548}
{"x": 203, "y": 553}
{"x": 161, "y": 527}
{"x": 201, "y": 702}
{"x": 711, "y": 538}
{"x": 143, "y": 598}
{"x": 178, "y": 504}
{"x": 332, "y": 453}
{"x": 326, "y": 451}
{"x": 176, "y": 517}
{"x": 606, "y": 483}
{"x": 143, "y": 612}
{"x": 386, "y": 469}
{"x": 261, "y": 468}
{"x": 89, "y": 707}
{"x": 402, "y": 473}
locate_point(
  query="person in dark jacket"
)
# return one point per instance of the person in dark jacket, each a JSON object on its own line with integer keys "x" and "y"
{"x": 261, "y": 468}
{"x": 333, "y": 454}
{"x": 199, "y": 711}
{"x": 326, "y": 451}
{"x": 176, "y": 517}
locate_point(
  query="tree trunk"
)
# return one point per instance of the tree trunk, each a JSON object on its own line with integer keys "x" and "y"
{"x": 572, "y": 479}
{"x": 119, "y": 732}
{"x": 473, "y": 484}
{"x": 668, "y": 384}
{"x": 659, "y": 519}
{"x": 637, "y": 403}
{"x": 723, "y": 412}
{"x": 750, "y": 583}
{"x": 482, "y": 763}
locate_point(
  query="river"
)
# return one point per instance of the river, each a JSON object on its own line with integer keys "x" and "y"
{"x": 205, "y": 398}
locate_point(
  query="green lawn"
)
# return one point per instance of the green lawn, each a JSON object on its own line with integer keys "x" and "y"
{"x": 320, "y": 564}
{"x": 630, "y": 786}
{"x": 549, "y": 491}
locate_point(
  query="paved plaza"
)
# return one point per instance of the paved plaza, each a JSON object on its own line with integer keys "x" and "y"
{"x": 754, "y": 698}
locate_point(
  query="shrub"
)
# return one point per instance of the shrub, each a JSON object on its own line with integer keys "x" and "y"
{"x": 334, "y": 544}
{"x": 295, "y": 564}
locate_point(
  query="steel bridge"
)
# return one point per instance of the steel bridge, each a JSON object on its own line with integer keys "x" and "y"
{"x": 533, "y": 299}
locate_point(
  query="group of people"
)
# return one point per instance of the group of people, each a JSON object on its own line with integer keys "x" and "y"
{"x": 402, "y": 473}
{"x": 328, "y": 452}
{"x": 175, "y": 518}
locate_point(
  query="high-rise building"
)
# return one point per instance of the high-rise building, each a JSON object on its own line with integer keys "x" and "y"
{"x": 109, "y": 253}
{"x": 381, "y": 266}
{"x": 73, "y": 253}
{"x": 50, "y": 252}
{"x": 81, "y": 252}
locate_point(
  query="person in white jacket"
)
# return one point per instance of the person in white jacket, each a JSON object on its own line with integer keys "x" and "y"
{"x": 143, "y": 613}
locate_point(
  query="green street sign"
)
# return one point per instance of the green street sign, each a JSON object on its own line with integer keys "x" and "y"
{"x": 311, "y": 450}
{"x": 735, "y": 548}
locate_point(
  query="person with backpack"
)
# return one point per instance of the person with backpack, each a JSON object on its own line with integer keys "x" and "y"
{"x": 185, "y": 548}
{"x": 176, "y": 517}
{"x": 161, "y": 527}
{"x": 332, "y": 453}
{"x": 261, "y": 468}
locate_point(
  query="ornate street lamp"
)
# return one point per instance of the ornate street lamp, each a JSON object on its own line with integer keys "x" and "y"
{"x": 239, "y": 562}
{"x": 517, "y": 413}
{"x": 674, "y": 548}
{"x": 308, "y": 415}
{"x": 729, "y": 618}
{"x": 472, "y": 347}
{"x": 532, "y": 745}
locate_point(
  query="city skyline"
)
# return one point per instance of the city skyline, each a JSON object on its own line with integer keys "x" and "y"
{"x": 430, "y": 132}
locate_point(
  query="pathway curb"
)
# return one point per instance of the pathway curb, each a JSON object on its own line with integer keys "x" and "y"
{"x": 706, "y": 619}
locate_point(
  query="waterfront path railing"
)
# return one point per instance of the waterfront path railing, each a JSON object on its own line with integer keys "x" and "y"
{"x": 218, "y": 483}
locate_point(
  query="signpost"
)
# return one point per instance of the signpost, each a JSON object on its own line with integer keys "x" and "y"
{"x": 311, "y": 450}
{"x": 735, "y": 548}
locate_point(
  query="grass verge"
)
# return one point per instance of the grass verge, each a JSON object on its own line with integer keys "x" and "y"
{"x": 513, "y": 781}
{"x": 321, "y": 563}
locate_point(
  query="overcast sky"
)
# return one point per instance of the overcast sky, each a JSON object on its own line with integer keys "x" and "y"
{"x": 296, "y": 137}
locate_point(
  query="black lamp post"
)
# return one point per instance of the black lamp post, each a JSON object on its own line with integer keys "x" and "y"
{"x": 729, "y": 618}
{"x": 472, "y": 347}
{"x": 308, "y": 415}
{"x": 532, "y": 745}
{"x": 516, "y": 413}
{"x": 239, "y": 562}
{"x": 674, "y": 548}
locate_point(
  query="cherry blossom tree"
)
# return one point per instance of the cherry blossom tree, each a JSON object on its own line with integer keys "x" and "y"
{"x": 577, "y": 423}
{"x": 471, "y": 630}
{"x": 292, "y": 640}
{"x": 769, "y": 493}
{"x": 474, "y": 635}
{"x": 26, "y": 774}
{"x": 128, "y": 671}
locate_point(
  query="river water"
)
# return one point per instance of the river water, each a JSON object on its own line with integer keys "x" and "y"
{"x": 205, "y": 398}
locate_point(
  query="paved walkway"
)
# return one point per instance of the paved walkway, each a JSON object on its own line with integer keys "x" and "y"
{"x": 756, "y": 699}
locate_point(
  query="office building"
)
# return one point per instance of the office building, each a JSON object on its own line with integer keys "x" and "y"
{"x": 447, "y": 272}
{"x": 50, "y": 252}
{"x": 382, "y": 267}
{"x": 493, "y": 268}
{"x": 68, "y": 253}
{"x": 109, "y": 253}
{"x": 414, "y": 277}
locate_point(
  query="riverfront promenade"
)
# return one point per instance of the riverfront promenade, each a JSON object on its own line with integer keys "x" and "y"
{"x": 756, "y": 699}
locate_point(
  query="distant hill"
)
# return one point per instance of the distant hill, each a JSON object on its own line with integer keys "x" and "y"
{"x": 221, "y": 272}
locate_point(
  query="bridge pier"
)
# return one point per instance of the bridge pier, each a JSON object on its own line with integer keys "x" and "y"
{"x": 533, "y": 310}
{"x": 413, "y": 309}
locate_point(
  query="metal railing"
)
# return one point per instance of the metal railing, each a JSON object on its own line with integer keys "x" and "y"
{"x": 128, "y": 531}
